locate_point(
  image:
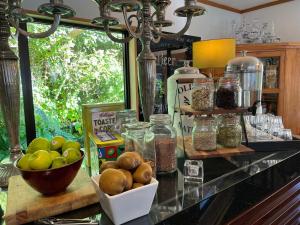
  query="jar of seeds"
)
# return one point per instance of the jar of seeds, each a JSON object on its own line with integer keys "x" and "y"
{"x": 230, "y": 131}
{"x": 165, "y": 139}
{"x": 204, "y": 135}
{"x": 203, "y": 94}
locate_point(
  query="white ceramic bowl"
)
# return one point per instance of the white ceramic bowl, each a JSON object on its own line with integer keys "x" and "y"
{"x": 128, "y": 205}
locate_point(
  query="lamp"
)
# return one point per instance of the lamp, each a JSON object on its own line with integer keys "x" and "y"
{"x": 211, "y": 56}
{"x": 149, "y": 29}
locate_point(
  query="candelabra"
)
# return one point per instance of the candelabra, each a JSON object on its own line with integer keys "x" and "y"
{"x": 148, "y": 28}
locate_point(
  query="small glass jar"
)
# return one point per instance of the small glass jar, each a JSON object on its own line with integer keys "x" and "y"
{"x": 230, "y": 131}
{"x": 204, "y": 134}
{"x": 165, "y": 143}
{"x": 124, "y": 117}
{"x": 229, "y": 93}
{"x": 203, "y": 94}
{"x": 139, "y": 138}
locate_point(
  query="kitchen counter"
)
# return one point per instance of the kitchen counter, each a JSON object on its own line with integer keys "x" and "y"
{"x": 231, "y": 186}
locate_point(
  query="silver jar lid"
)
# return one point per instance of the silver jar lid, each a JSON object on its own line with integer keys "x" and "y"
{"x": 245, "y": 64}
{"x": 187, "y": 69}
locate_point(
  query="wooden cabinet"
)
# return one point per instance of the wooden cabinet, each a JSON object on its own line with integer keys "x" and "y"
{"x": 286, "y": 96}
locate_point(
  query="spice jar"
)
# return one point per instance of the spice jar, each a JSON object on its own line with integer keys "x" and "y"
{"x": 230, "y": 131}
{"x": 203, "y": 94}
{"x": 165, "y": 143}
{"x": 229, "y": 93}
{"x": 204, "y": 135}
{"x": 140, "y": 139}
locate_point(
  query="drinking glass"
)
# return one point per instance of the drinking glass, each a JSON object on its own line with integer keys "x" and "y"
{"x": 286, "y": 134}
{"x": 193, "y": 171}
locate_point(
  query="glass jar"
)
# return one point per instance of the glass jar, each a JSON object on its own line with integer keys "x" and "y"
{"x": 230, "y": 131}
{"x": 124, "y": 117}
{"x": 165, "y": 143}
{"x": 203, "y": 94}
{"x": 204, "y": 134}
{"x": 139, "y": 138}
{"x": 229, "y": 93}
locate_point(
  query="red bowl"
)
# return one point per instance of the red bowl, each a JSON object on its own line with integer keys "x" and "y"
{"x": 51, "y": 181}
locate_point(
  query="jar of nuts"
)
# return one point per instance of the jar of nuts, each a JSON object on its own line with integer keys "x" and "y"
{"x": 203, "y": 94}
{"x": 204, "y": 135}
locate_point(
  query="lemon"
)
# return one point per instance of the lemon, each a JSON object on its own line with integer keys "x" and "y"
{"x": 71, "y": 155}
{"x": 38, "y": 144}
{"x": 40, "y": 160}
{"x": 23, "y": 163}
{"x": 58, "y": 162}
{"x": 71, "y": 144}
{"x": 54, "y": 154}
{"x": 57, "y": 143}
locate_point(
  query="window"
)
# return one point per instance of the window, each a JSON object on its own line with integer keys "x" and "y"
{"x": 70, "y": 68}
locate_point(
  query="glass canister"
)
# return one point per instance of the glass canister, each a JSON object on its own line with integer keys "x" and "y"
{"x": 204, "y": 135}
{"x": 124, "y": 117}
{"x": 229, "y": 93}
{"x": 230, "y": 131}
{"x": 139, "y": 138}
{"x": 165, "y": 143}
{"x": 203, "y": 94}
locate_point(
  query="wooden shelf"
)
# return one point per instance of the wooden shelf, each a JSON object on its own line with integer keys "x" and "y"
{"x": 271, "y": 91}
{"x": 189, "y": 110}
{"x": 220, "y": 152}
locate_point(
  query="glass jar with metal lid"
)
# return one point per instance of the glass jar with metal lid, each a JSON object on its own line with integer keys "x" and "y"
{"x": 179, "y": 94}
{"x": 203, "y": 94}
{"x": 230, "y": 131}
{"x": 228, "y": 94}
{"x": 139, "y": 138}
{"x": 204, "y": 135}
{"x": 165, "y": 143}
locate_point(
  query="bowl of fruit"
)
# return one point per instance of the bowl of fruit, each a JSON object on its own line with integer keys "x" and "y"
{"x": 126, "y": 187}
{"x": 49, "y": 167}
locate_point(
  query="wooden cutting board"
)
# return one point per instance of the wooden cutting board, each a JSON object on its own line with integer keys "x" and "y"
{"x": 220, "y": 152}
{"x": 24, "y": 204}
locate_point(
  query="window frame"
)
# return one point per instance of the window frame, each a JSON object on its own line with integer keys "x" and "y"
{"x": 26, "y": 76}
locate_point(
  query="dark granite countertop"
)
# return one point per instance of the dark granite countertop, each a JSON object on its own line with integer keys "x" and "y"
{"x": 231, "y": 185}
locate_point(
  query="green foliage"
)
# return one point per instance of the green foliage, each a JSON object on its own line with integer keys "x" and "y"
{"x": 70, "y": 68}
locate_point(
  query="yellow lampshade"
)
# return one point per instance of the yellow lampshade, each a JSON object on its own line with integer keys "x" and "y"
{"x": 213, "y": 53}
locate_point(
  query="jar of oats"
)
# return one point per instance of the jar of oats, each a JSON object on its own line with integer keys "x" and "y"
{"x": 203, "y": 94}
{"x": 204, "y": 135}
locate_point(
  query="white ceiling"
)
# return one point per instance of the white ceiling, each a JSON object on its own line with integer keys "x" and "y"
{"x": 242, "y": 4}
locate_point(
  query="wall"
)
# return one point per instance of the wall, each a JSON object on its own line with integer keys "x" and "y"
{"x": 215, "y": 24}
{"x": 286, "y": 18}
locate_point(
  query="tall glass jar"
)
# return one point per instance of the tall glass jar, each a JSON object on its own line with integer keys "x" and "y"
{"x": 204, "y": 135}
{"x": 165, "y": 143}
{"x": 230, "y": 131}
{"x": 139, "y": 138}
{"x": 229, "y": 93}
{"x": 203, "y": 94}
